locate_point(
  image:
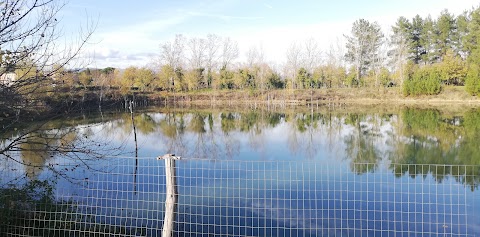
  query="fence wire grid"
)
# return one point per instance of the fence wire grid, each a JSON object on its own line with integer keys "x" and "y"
{"x": 127, "y": 197}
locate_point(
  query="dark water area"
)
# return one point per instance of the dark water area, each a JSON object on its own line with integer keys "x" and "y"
{"x": 407, "y": 172}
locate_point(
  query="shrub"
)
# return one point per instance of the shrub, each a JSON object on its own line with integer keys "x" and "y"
{"x": 423, "y": 81}
{"x": 472, "y": 82}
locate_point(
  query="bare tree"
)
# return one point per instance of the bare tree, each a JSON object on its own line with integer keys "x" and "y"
{"x": 30, "y": 43}
{"x": 197, "y": 49}
{"x": 399, "y": 52}
{"x": 311, "y": 54}
{"x": 172, "y": 53}
{"x": 255, "y": 55}
{"x": 335, "y": 56}
{"x": 30, "y": 47}
{"x": 213, "y": 44}
{"x": 103, "y": 79}
{"x": 229, "y": 52}
{"x": 294, "y": 60}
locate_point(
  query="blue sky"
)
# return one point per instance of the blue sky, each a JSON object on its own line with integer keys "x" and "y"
{"x": 130, "y": 32}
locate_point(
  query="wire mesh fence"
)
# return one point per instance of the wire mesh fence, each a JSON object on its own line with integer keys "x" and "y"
{"x": 127, "y": 197}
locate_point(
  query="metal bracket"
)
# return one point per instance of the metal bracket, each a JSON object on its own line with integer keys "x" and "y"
{"x": 169, "y": 156}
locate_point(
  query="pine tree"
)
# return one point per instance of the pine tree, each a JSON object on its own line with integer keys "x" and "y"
{"x": 471, "y": 40}
{"x": 417, "y": 48}
{"x": 427, "y": 39}
{"x": 445, "y": 35}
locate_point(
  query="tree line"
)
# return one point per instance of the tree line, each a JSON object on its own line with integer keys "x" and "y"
{"x": 421, "y": 55}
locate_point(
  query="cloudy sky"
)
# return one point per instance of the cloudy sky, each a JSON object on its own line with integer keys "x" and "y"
{"x": 130, "y": 32}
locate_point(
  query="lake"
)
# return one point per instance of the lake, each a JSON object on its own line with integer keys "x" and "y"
{"x": 297, "y": 172}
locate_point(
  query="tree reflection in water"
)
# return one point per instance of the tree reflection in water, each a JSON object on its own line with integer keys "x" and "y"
{"x": 428, "y": 143}
{"x": 414, "y": 142}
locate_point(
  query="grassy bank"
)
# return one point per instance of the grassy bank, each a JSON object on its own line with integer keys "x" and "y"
{"x": 364, "y": 96}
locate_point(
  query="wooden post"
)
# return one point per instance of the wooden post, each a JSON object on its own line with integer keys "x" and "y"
{"x": 171, "y": 196}
{"x": 136, "y": 148}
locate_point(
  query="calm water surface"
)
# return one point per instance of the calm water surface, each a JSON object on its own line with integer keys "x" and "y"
{"x": 260, "y": 173}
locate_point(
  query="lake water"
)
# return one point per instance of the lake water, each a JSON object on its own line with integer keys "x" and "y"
{"x": 310, "y": 172}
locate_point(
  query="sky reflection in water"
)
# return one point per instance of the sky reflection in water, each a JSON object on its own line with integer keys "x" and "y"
{"x": 257, "y": 173}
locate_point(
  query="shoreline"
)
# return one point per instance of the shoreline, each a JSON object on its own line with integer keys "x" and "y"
{"x": 306, "y": 97}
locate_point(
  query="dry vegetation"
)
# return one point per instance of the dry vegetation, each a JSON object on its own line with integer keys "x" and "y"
{"x": 364, "y": 96}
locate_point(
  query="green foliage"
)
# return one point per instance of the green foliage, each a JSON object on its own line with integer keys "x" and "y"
{"x": 143, "y": 79}
{"x": 303, "y": 78}
{"x": 329, "y": 76}
{"x": 384, "y": 77}
{"x": 249, "y": 121}
{"x": 445, "y": 34}
{"x": 165, "y": 76}
{"x": 178, "y": 80}
{"x": 428, "y": 50}
{"x": 423, "y": 81}
{"x": 197, "y": 124}
{"x": 228, "y": 122}
{"x": 360, "y": 145}
{"x": 435, "y": 140}
{"x": 416, "y": 120}
{"x": 127, "y": 80}
{"x": 305, "y": 121}
{"x": 416, "y": 44}
{"x": 194, "y": 78}
{"x": 474, "y": 57}
{"x": 377, "y": 78}
{"x": 18, "y": 204}
{"x": 351, "y": 78}
{"x": 244, "y": 79}
{"x": 472, "y": 82}
{"x": 274, "y": 81}
{"x": 85, "y": 78}
{"x": 471, "y": 39}
{"x": 427, "y": 40}
{"x": 226, "y": 79}
{"x": 107, "y": 70}
{"x": 452, "y": 69}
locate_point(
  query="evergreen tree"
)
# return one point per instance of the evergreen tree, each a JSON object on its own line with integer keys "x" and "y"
{"x": 416, "y": 45}
{"x": 427, "y": 39}
{"x": 472, "y": 82}
{"x": 445, "y": 35}
{"x": 462, "y": 31}
{"x": 471, "y": 40}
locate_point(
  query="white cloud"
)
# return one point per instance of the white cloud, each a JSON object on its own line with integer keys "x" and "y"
{"x": 143, "y": 38}
{"x": 268, "y": 6}
{"x": 275, "y": 41}
{"x": 131, "y": 45}
{"x": 223, "y": 17}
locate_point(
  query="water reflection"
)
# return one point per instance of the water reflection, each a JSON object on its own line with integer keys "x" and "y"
{"x": 302, "y": 172}
{"x": 424, "y": 137}
{"x": 35, "y": 149}
{"x": 410, "y": 136}
{"x": 38, "y": 148}
{"x": 361, "y": 145}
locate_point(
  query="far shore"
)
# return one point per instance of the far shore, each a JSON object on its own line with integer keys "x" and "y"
{"x": 454, "y": 96}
